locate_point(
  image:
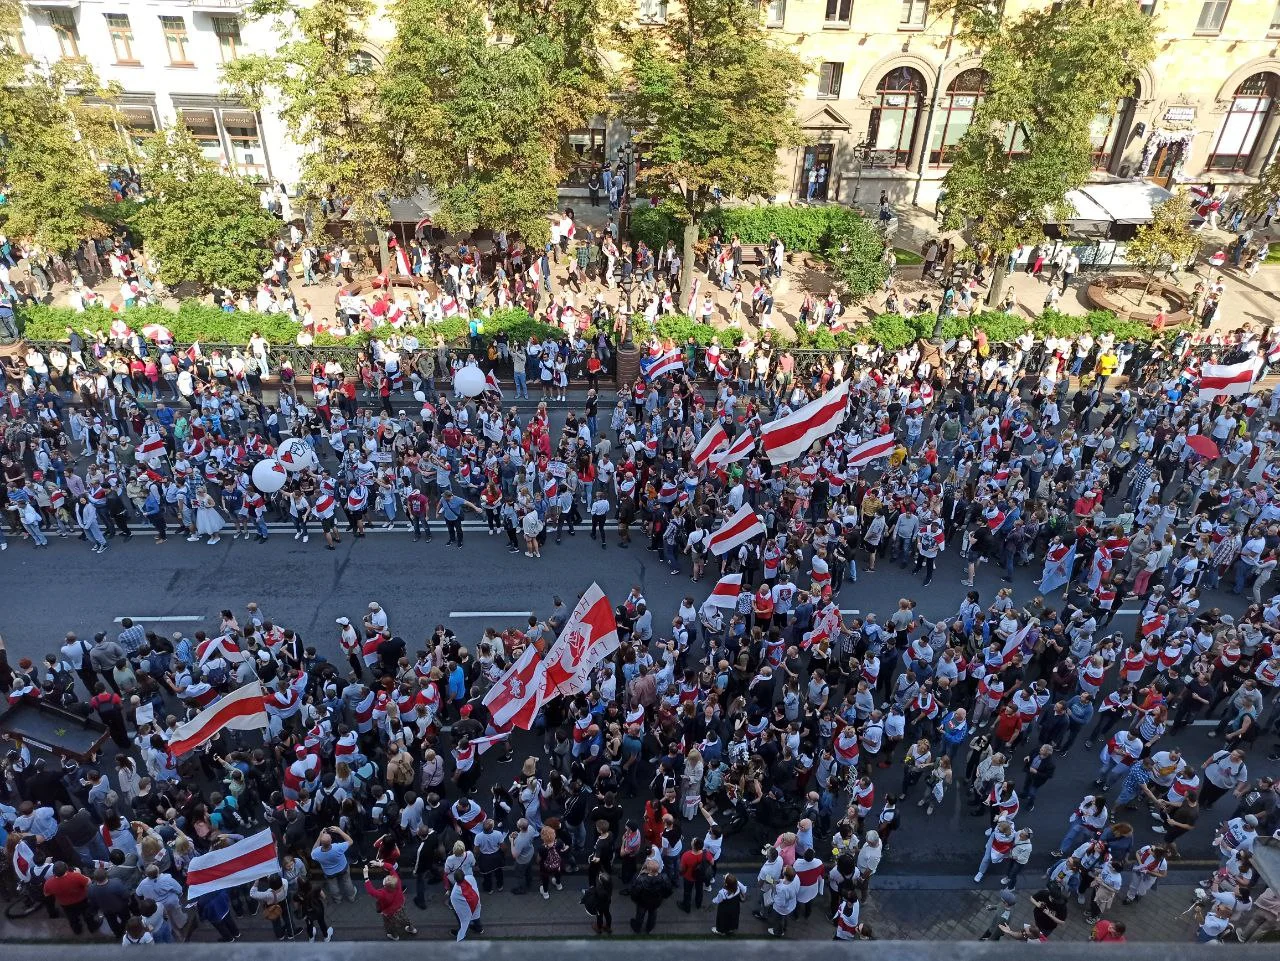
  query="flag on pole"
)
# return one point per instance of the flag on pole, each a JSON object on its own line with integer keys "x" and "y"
{"x": 1058, "y": 562}
{"x": 712, "y": 440}
{"x": 1013, "y": 645}
{"x": 223, "y": 647}
{"x": 589, "y": 636}
{"x": 151, "y": 448}
{"x": 737, "y": 530}
{"x": 491, "y": 385}
{"x": 240, "y": 863}
{"x": 517, "y": 695}
{"x": 742, "y": 447}
{"x": 725, "y": 593}
{"x": 788, "y": 437}
{"x": 244, "y": 709}
{"x": 1227, "y": 380}
{"x": 872, "y": 449}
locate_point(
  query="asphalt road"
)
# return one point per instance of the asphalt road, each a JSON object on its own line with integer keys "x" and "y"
{"x": 180, "y": 585}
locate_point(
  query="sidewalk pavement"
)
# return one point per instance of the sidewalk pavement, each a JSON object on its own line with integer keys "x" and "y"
{"x": 908, "y": 908}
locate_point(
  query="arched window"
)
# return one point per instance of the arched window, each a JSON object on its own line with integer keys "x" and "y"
{"x": 1233, "y": 148}
{"x": 956, "y": 111}
{"x": 896, "y": 116}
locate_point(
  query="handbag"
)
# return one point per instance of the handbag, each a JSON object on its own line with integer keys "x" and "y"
{"x": 273, "y": 912}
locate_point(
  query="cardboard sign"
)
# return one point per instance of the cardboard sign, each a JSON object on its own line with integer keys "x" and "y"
{"x": 558, "y": 468}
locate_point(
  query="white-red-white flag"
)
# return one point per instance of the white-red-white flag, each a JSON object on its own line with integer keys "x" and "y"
{"x": 589, "y": 636}
{"x": 515, "y": 697}
{"x": 240, "y": 863}
{"x": 491, "y": 385}
{"x": 151, "y": 448}
{"x": 726, "y": 591}
{"x": 737, "y": 530}
{"x": 741, "y": 447}
{"x": 482, "y": 744}
{"x": 24, "y": 860}
{"x": 712, "y": 440}
{"x": 788, "y": 437}
{"x": 1014, "y": 644}
{"x": 873, "y": 449}
{"x": 222, "y": 646}
{"x": 244, "y": 709}
{"x": 1229, "y": 380}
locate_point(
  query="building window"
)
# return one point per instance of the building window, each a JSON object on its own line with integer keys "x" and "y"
{"x": 585, "y": 149}
{"x": 203, "y": 126}
{"x": 121, "y": 37}
{"x": 776, "y": 13}
{"x": 175, "y": 39}
{"x": 913, "y": 14}
{"x": 1275, "y": 20}
{"x": 652, "y": 11}
{"x": 13, "y": 43}
{"x": 1148, "y": 7}
{"x": 895, "y": 117}
{"x": 1213, "y": 14}
{"x": 956, "y": 111}
{"x": 228, "y": 31}
{"x": 1233, "y": 148}
{"x": 829, "y": 78}
{"x": 247, "y": 156}
{"x": 68, "y": 34}
{"x": 838, "y": 12}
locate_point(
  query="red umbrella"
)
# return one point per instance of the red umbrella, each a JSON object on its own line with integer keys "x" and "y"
{"x": 1204, "y": 446}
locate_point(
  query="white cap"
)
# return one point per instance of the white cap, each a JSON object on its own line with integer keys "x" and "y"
{"x": 344, "y": 622}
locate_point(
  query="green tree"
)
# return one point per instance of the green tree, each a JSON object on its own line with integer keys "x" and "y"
{"x": 325, "y": 87}
{"x": 1262, "y": 191}
{"x": 856, "y": 256}
{"x": 712, "y": 98}
{"x": 202, "y": 226}
{"x": 1051, "y": 72}
{"x": 478, "y": 97}
{"x": 1167, "y": 243}
{"x": 51, "y": 143}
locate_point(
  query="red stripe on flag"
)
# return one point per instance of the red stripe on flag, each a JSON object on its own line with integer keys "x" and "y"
{"x": 222, "y": 715}
{"x": 250, "y": 859}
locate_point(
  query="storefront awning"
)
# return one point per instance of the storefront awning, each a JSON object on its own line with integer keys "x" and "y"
{"x": 1084, "y": 210}
{"x": 1129, "y": 202}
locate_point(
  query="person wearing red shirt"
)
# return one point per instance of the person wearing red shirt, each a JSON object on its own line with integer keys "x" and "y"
{"x": 1107, "y": 931}
{"x": 691, "y": 864}
{"x": 69, "y": 890}
{"x": 388, "y": 898}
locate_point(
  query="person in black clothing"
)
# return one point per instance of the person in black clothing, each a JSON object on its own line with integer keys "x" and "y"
{"x": 1049, "y": 910}
{"x": 649, "y": 889}
{"x": 599, "y": 898}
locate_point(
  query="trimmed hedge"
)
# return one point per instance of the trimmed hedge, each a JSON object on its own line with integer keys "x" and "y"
{"x": 198, "y": 321}
{"x": 799, "y": 228}
{"x": 893, "y": 331}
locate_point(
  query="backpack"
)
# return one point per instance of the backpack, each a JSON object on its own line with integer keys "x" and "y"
{"x": 704, "y": 871}
{"x": 217, "y": 676}
{"x": 327, "y": 807}
{"x": 151, "y": 506}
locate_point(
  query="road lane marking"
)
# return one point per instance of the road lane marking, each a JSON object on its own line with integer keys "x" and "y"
{"x": 490, "y": 613}
{"x": 165, "y": 618}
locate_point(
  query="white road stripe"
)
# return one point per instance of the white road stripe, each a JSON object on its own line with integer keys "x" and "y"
{"x": 1134, "y": 613}
{"x": 164, "y": 619}
{"x": 490, "y": 613}
{"x": 850, "y": 610}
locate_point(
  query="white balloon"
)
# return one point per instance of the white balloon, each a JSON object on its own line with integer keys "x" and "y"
{"x": 469, "y": 381}
{"x": 295, "y": 454}
{"x": 420, "y": 396}
{"x": 268, "y": 476}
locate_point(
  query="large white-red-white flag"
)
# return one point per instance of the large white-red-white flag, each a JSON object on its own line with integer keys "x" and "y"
{"x": 482, "y": 744}
{"x": 741, "y": 447}
{"x": 244, "y": 709}
{"x": 788, "y": 437}
{"x": 240, "y": 863}
{"x": 24, "y": 860}
{"x": 1230, "y": 380}
{"x": 589, "y": 636}
{"x": 737, "y": 530}
{"x": 872, "y": 449}
{"x": 514, "y": 699}
{"x": 726, "y": 591}
{"x": 712, "y": 440}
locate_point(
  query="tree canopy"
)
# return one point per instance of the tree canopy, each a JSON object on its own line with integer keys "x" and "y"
{"x": 201, "y": 225}
{"x": 52, "y": 140}
{"x": 1168, "y": 242}
{"x": 1051, "y": 71}
{"x": 325, "y": 87}
{"x": 711, "y": 98}
{"x": 478, "y": 97}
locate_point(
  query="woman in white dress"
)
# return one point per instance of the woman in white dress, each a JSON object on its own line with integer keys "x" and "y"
{"x": 208, "y": 521}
